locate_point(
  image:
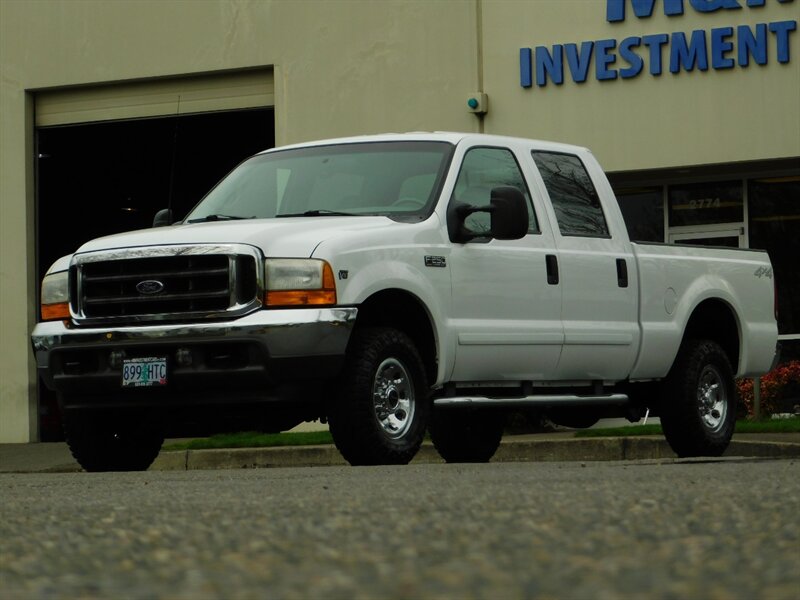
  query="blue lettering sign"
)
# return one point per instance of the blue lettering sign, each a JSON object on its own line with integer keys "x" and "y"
{"x": 713, "y": 5}
{"x": 688, "y": 51}
{"x": 759, "y": 3}
{"x": 604, "y": 58}
{"x": 549, "y": 64}
{"x": 782, "y": 31}
{"x": 687, "y": 56}
{"x": 720, "y": 47}
{"x": 752, "y": 45}
{"x": 615, "y": 9}
{"x": 579, "y": 62}
{"x": 525, "y": 69}
{"x": 655, "y": 43}
{"x": 626, "y": 51}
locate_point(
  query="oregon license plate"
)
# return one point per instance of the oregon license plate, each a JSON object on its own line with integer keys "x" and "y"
{"x": 144, "y": 372}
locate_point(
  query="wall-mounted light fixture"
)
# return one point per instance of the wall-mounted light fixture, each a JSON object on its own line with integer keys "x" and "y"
{"x": 478, "y": 103}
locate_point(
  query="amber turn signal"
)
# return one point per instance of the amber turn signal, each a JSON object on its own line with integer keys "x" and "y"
{"x": 54, "y": 312}
{"x": 301, "y": 298}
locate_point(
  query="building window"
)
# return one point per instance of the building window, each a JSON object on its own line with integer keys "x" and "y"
{"x": 706, "y": 203}
{"x": 774, "y": 211}
{"x": 643, "y": 211}
{"x": 572, "y": 194}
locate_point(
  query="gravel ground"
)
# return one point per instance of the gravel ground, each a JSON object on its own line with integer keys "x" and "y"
{"x": 652, "y": 529}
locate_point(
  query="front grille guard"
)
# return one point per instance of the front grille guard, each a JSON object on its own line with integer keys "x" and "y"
{"x": 242, "y": 297}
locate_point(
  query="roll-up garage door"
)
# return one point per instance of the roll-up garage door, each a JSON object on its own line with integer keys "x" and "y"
{"x": 156, "y": 98}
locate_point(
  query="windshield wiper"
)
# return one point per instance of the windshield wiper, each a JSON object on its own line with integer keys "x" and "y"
{"x": 217, "y": 217}
{"x": 319, "y": 212}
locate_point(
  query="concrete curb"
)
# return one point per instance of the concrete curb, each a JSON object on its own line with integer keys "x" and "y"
{"x": 55, "y": 457}
{"x": 520, "y": 450}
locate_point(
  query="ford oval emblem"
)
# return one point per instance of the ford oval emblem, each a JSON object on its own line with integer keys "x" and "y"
{"x": 149, "y": 287}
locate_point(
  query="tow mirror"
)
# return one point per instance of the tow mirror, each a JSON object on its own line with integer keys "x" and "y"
{"x": 162, "y": 218}
{"x": 509, "y": 213}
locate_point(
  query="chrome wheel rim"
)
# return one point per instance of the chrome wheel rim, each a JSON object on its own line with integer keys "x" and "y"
{"x": 393, "y": 398}
{"x": 712, "y": 398}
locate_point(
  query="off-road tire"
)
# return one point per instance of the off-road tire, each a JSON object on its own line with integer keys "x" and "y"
{"x": 467, "y": 436}
{"x": 111, "y": 442}
{"x": 380, "y": 415}
{"x": 698, "y": 400}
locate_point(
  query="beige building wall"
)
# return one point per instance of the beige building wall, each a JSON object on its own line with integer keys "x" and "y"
{"x": 345, "y": 67}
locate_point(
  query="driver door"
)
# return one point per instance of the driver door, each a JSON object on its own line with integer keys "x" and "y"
{"x": 505, "y": 313}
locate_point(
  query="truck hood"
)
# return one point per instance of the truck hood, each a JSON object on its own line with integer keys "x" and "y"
{"x": 287, "y": 237}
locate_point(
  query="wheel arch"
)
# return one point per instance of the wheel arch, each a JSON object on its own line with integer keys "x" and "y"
{"x": 404, "y": 311}
{"x": 716, "y": 320}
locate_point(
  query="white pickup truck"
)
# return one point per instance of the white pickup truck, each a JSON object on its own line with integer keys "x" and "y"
{"x": 393, "y": 285}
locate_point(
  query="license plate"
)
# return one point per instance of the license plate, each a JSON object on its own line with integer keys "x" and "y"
{"x": 144, "y": 372}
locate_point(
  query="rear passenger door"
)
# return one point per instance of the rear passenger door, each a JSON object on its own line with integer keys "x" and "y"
{"x": 597, "y": 274}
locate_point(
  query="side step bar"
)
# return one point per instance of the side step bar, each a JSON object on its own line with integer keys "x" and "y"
{"x": 543, "y": 400}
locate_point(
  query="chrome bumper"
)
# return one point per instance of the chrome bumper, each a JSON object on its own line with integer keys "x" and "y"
{"x": 296, "y": 332}
{"x": 310, "y": 335}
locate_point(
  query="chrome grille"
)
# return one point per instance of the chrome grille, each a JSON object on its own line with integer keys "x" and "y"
{"x": 164, "y": 283}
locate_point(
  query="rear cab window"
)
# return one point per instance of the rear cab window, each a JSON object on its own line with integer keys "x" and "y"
{"x": 572, "y": 193}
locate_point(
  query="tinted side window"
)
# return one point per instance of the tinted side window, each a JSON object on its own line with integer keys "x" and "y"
{"x": 572, "y": 193}
{"x": 482, "y": 170}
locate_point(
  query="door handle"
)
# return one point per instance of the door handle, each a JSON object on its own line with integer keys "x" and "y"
{"x": 622, "y": 273}
{"x": 552, "y": 269}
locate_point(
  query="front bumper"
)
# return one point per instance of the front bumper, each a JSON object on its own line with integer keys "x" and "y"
{"x": 246, "y": 359}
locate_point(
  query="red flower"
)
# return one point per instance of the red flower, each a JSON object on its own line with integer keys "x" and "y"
{"x": 780, "y": 383}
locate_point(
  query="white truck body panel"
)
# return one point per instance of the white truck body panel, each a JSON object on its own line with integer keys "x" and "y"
{"x": 673, "y": 284}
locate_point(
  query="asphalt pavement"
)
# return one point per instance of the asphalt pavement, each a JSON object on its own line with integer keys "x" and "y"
{"x": 561, "y": 446}
{"x": 666, "y": 529}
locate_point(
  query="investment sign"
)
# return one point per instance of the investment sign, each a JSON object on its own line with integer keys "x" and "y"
{"x": 718, "y": 48}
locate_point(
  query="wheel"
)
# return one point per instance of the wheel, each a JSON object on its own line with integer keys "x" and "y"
{"x": 381, "y": 413}
{"x": 113, "y": 442}
{"x": 467, "y": 436}
{"x": 698, "y": 400}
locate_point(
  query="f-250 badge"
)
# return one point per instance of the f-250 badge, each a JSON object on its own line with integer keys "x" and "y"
{"x": 435, "y": 261}
{"x": 763, "y": 272}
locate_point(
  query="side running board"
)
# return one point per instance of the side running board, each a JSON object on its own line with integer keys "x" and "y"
{"x": 539, "y": 400}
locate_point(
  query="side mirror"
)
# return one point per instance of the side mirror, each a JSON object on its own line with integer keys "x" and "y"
{"x": 509, "y": 214}
{"x": 162, "y": 218}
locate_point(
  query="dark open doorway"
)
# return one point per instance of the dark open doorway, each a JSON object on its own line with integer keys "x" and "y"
{"x": 96, "y": 179}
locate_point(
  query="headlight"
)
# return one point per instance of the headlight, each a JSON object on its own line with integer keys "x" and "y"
{"x": 299, "y": 282}
{"x": 55, "y": 296}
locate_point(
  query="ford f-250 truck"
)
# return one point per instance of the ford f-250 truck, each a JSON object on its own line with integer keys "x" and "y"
{"x": 396, "y": 284}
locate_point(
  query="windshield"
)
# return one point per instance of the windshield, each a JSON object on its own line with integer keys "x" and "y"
{"x": 396, "y": 179}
